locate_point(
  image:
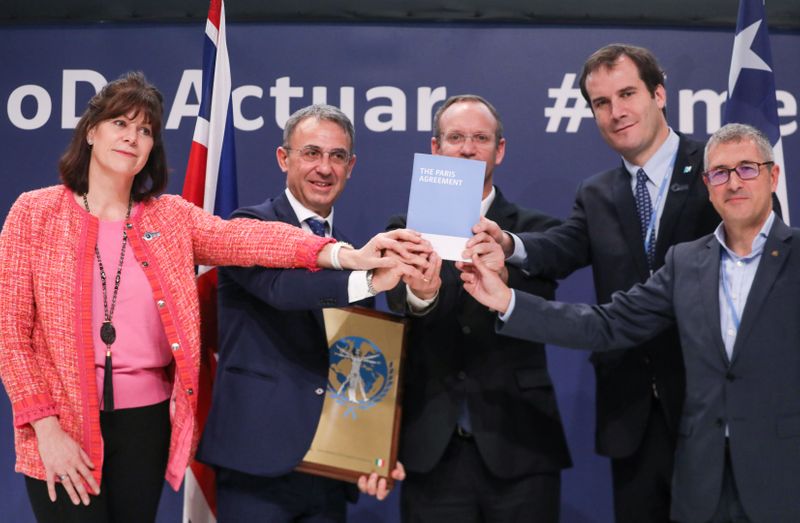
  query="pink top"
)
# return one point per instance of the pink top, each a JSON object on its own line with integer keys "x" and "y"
{"x": 140, "y": 353}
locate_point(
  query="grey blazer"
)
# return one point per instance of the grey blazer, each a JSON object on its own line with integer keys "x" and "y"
{"x": 756, "y": 393}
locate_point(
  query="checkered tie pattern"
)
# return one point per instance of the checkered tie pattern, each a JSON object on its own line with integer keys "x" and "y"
{"x": 644, "y": 208}
{"x": 317, "y": 226}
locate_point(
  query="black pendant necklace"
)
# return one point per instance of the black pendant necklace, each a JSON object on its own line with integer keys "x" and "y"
{"x": 107, "y": 331}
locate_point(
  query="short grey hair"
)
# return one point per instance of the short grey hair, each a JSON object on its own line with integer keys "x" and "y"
{"x": 736, "y": 133}
{"x": 319, "y": 112}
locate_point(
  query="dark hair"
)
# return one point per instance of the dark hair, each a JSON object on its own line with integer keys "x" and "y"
{"x": 649, "y": 71}
{"x": 458, "y": 98}
{"x": 325, "y": 112}
{"x": 131, "y": 92}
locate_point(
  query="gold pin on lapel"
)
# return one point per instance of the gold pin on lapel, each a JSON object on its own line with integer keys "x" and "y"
{"x": 775, "y": 254}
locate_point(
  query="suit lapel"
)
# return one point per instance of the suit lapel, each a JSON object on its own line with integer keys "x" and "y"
{"x": 685, "y": 174}
{"x": 776, "y": 252}
{"x": 708, "y": 273}
{"x": 625, "y": 205}
{"x": 284, "y": 211}
{"x": 501, "y": 211}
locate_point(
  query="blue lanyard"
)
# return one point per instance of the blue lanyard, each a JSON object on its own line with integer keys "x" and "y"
{"x": 727, "y": 292}
{"x": 651, "y": 224}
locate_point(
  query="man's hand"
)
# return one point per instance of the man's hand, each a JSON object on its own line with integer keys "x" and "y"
{"x": 375, "y": 485}
{"x": 485, "y": 285}
{"x": 490, "y": 253}
{"x": 426, "y": 281}
{"x": 487, "y": 228}
{"x": 385, "y": 278}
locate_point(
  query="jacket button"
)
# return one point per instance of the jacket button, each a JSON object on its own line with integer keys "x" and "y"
{"x": 161, "y": 304}
{"x": 730, "y": 377}
{"x": 461, "y": 375}
{"x": 145, "y": 264}
{"x": 320, "y": 391}
{"x": 129, "y": 225}
{"x": 189, "y": 392}
{"x": 465, "y": 329}
{"x": 719, "y": 422}
{"x": 175, "y": 346}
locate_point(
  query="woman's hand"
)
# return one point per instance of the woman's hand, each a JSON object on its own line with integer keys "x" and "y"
{"x": 64, "y": 460}
{"x": 407, "y": 245}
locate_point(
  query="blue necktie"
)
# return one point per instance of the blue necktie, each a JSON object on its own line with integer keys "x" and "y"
{"x": 644, "y": 208}
{"x": 317, "y": 226}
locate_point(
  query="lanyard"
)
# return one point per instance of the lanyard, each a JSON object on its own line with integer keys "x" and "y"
{"x": 727, "y": 292}
{"x": 651, "y": 224}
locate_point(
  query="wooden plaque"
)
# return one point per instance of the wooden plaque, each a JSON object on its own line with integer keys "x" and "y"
{"x": 359, "y": 426}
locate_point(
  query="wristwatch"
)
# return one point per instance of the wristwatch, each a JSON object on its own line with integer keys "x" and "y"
{"x": 370, "y": 287}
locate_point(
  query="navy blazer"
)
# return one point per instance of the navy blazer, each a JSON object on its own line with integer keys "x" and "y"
{"x": 273, "y": 360}
{"x": 603, "y": 231}
{"x": 756, "y": 393}
{"x": 453, "y": 352}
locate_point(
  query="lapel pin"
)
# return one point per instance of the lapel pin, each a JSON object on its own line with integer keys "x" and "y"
{"x": 775, "y": 253}
{"x": 687, "y": 169}
{"x": 151, "y": 235}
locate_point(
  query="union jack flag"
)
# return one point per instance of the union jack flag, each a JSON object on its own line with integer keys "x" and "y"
{"x": 210, "y": 183}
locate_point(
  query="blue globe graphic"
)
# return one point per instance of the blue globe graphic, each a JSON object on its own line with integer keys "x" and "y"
{"x": 358, "y": 370}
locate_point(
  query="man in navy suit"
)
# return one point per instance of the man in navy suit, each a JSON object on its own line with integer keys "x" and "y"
{"x": 273, "y": 356}
{"x": 734, "y": 297}
{"x": 482, "y": 437}
{"x": 639, "y": 393}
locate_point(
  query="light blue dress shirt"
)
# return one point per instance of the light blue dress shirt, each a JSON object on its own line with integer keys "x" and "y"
{"x": 736, "y": 274}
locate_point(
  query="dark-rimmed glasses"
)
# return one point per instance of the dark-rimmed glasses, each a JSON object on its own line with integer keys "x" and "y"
{"x": 745, "y": 171}
{"x": 310, "y": 154}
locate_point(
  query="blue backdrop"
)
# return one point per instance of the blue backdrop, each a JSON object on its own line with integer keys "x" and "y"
{"x": 388, "y": 78}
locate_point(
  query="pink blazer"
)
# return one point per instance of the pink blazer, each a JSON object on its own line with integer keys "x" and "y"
{"x": 46, "y": 264}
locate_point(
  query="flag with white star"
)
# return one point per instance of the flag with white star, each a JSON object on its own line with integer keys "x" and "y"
{"x": 751, "y": 84}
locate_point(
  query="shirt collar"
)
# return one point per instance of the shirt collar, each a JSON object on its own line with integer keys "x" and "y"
{"x": 661, "y": 163}
{"x": 758, "y": 241}
{"x": 303, "y": 213}
{"x": 488, "y": 201}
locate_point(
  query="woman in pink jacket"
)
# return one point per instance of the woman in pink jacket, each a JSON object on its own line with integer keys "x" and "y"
{"x": 99, "y": 318}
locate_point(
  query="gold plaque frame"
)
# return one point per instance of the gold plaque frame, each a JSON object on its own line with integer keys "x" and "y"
{"x": 359, "y": 426}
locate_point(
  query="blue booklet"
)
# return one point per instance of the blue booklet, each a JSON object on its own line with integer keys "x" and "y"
{"x": 445, "y": 201}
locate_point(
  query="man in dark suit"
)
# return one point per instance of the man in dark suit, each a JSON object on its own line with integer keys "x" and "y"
{"x": 733, "y": 296}
{"x": 273, "y": 358}
{"x": 639, "y": 393}
{"x": 482, "y": 438}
